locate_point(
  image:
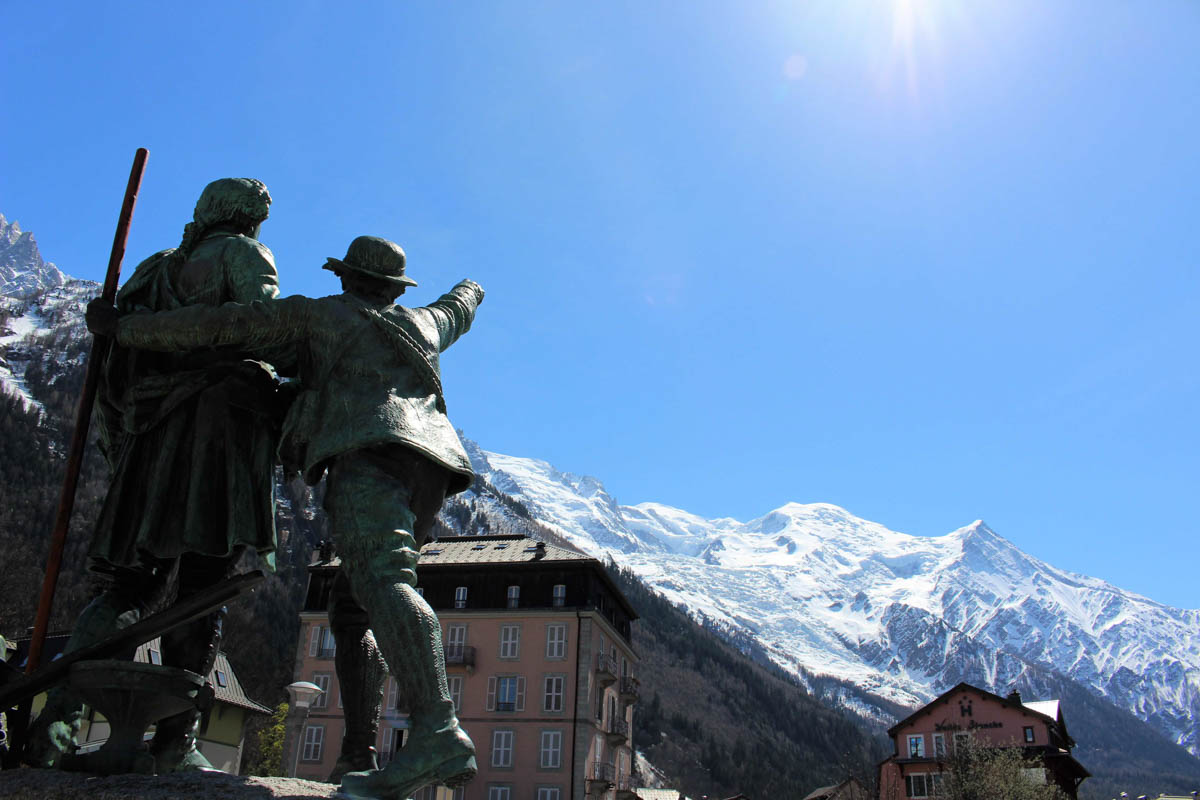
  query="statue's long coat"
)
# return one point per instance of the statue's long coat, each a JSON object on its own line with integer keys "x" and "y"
{"x": 190, "y": 438}
{"x": 370, "y": 373}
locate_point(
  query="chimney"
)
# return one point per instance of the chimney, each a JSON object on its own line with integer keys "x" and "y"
{"x": 1014, "y": 696}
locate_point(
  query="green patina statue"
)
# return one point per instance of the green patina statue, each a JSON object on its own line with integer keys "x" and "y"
{"x": 370, "y": 414}
{"x": 191, "y": 441}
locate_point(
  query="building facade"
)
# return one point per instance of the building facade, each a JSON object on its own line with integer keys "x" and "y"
{"x": 539, "y": 660}
{"x": 925, "y": 742}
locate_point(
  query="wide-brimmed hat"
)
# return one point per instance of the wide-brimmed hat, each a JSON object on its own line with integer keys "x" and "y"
{"x": 374, "y": 257}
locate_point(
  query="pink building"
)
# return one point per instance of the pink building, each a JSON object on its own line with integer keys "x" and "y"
{"x": 925, "y": 740}
{"x": 539, "y": 660}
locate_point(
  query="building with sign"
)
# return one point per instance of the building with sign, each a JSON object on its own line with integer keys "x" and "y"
{"x": 925, "y": 741}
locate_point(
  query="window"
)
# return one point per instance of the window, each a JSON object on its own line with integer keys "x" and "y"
{"x": 391, "y": 694}
{"x": 456, "y": 684}
{"x": 552, "y": 698}
{"x": 456, "y": 640}
{"x": 427, "y": 793}
{"x": 421, "y": 591}
{"x": 559, "y": 598}
{"x": 916, "y": 746}
{"x": 960, "y": 739}
{"x": 514, "y": 596}
{"x": 479, "y": 546}
{"x": 321, "y": 644}
{"x": 549, "y": 793}
{"x": 314, "y": 642}
{"x": 314, "y": 740}
{"x": 550, "y": 753}
{"x": 460, "y": 597}
{"x": 1029, "y": 734}
{"x": 556, "y": 640}
{"x": 939, "y": 745}
{"x": 502, "y": 749}
{"x": 155, "y": 656}
{"x": 502, "y": 545}
{"x": 1035, "y": 775}
{"x": 506, "y": 693}
{"x": 393, "y": 740}
{"x": 510, "y": 641}
{"x": 499, "y": 793}
{"x": 915, "y": 786}
{"x": 321, "y": 700}
{"x": 935, "y": 783}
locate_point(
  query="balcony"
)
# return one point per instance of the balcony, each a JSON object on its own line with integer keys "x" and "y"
{"x": 460, "y": 656}
{"x": 601, "y": 778}
{"x": 626, "y": 788}
{"x": 326, "y": 652}
{"x": 617, "y": 732}
{"x": 630, "y": 689}
{"x": 606, "y": 669}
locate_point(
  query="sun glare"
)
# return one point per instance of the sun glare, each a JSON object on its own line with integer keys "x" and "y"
{"x": 914, "y": 25}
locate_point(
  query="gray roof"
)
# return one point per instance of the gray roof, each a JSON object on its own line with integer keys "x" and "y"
{"x": 504, "y": 549}
{"x": 659, "y": 794}
{"x": 495, "y": 550}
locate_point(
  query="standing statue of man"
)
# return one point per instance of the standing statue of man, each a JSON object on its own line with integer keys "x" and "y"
{"x": 371, "y": 414}
{"x": 191, "y": 440}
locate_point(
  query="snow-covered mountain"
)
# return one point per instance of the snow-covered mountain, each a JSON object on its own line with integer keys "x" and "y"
{"x": 22, "y": 269}
{"x": 41, "y": 314}
{"x": 904, "y": 617}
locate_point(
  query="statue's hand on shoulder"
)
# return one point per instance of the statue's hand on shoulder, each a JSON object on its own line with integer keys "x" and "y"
{"x": 102, "y": 317}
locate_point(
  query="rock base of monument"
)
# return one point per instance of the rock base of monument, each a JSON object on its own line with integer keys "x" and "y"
{"x": 45, "y": 784}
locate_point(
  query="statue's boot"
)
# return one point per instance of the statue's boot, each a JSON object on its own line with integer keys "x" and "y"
{"x": 193, "y": 647}
{"x": 52, "y": 734}
{"x": 438, "y": 752}
{"x": 382, "y": 574}
{"x": 361, "y": 671}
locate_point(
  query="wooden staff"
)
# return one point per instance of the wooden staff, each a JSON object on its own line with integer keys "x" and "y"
{"x": 83, "y": 418}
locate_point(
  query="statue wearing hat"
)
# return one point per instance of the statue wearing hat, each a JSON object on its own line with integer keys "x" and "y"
{"x": 191, "y": 441}
{"x": 371, "y": 416}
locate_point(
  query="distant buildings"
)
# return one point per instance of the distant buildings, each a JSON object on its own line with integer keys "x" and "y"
{"x": 540, "y": 664}
{"x": 926, "y": 740}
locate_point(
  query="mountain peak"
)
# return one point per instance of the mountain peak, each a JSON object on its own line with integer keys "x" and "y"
{"x": 23, "y": 271}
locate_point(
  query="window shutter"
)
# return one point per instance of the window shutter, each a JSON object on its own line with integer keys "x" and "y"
{"x": 315, "y": 642}
{"x": 491, "y": 698}
{"x": 521, "y": 693}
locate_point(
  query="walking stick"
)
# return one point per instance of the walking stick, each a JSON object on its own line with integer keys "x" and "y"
{"x": 83, "y": 417}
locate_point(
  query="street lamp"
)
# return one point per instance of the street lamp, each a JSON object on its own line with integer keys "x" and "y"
{"x": 302, "y": 695}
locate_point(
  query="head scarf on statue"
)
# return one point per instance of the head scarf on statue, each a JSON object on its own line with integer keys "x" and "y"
{"x": 242, "y": 203}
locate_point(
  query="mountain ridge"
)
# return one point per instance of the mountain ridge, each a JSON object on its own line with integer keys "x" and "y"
{"x": 794, "y": 562}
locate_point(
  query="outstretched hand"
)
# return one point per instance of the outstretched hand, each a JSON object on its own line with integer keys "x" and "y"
{"x": 102, "y": 317}
{"x": 472, "y": 284}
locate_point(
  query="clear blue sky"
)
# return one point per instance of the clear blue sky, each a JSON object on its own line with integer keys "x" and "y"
{"x": 928, "y": 260}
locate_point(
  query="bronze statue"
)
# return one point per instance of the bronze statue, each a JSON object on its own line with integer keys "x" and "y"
{"x": 191, "y": 440}
{"x": 371, "y": 414}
